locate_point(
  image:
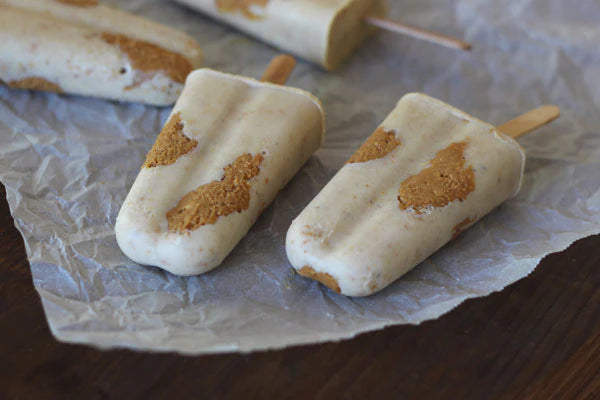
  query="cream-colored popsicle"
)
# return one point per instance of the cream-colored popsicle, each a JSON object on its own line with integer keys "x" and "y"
{"x": 325, "y": 32}
{"x": 86, "y": 48}
{"x": 230, "y": 145}
{"x": 426, "y": 174}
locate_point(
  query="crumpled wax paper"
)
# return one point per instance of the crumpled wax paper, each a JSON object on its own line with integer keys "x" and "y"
{"x": 67, "y": 163}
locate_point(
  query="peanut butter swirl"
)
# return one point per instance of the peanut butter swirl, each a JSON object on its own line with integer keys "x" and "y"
{"x": 378, "y": 145}
{"x": 323, "y": 277}
{"x": 218, "y": 198}
{"x": 148, "y": 57}
{"x": 240, "y": 5}
{"x": 461, "y": 226}
{"x": 445, "y": 180}
{"x": 35, "y": 83}
{"x": 170, "y": 144}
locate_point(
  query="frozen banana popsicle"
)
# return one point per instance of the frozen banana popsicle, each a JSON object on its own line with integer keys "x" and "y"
{"x": 230, "y": 145}
{"x": 426, "y": 174}
{"x": 86, "y": 48}
{"x": 325, "y": 32}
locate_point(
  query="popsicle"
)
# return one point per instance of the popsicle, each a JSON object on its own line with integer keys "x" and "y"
{"x": 230, "y": 144}
{"x": 426, "y": 174}
{"x": 86, "y": 48}
{"x": 325, "y": 32}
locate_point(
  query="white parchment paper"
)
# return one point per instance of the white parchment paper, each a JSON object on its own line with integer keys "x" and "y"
{"x": 67, "y": 163}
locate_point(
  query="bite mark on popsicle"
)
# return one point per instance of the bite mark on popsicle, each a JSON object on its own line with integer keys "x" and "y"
{"x": 378, "y": 145}
{"x": 323, "y": 277}
{"x": 35, "y": 83}
{"x": 217, "y": 198}
{"x": 148, "y": 57}
{"x": 445, "y": 180}
{"x": 461, "y": 226}
{"x": 241, "y": 5}
{"x": 80, "y": 3}
{"x": 170, "y": 144}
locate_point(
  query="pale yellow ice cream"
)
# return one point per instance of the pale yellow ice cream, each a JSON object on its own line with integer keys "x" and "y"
{"x": 325, "y": 32}
{"x": 230, "y": 145}
{"x": 92, "y": 50}
{"x": 426, "y": 174}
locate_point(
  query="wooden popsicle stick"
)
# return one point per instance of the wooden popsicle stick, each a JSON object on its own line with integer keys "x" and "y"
{"x": 530, "y": 121}
{"x": 417, "y": 33}
{"x": 279, "y": 70}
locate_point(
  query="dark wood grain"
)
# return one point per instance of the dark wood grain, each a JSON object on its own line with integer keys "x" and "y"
{"x": 537, "y": 339}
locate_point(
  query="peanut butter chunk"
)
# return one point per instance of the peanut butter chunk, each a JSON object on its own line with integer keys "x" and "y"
{"x": 218, "y": 198}
{"x": 35, "y": 83}
{"x": 444, "y": 181}
{"x": 240, "y": 5}
{"x": 378, "y": 145}
{"x": 324, "y": 278}
{"x": 461, "y": 226}
{"x": 170, "y": 144}
{"x": 148, "y": 57}
{"x": 81, "y": 3}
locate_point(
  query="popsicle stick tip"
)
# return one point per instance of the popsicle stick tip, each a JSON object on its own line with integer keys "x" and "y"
{"x": 530, "y": 121}
{"x": 551, "y": 109}
{"x": 279, "y": 70}
{"x": 418, "y": 33}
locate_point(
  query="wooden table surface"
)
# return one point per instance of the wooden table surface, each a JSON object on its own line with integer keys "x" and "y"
{"x": 538, "y": 339}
